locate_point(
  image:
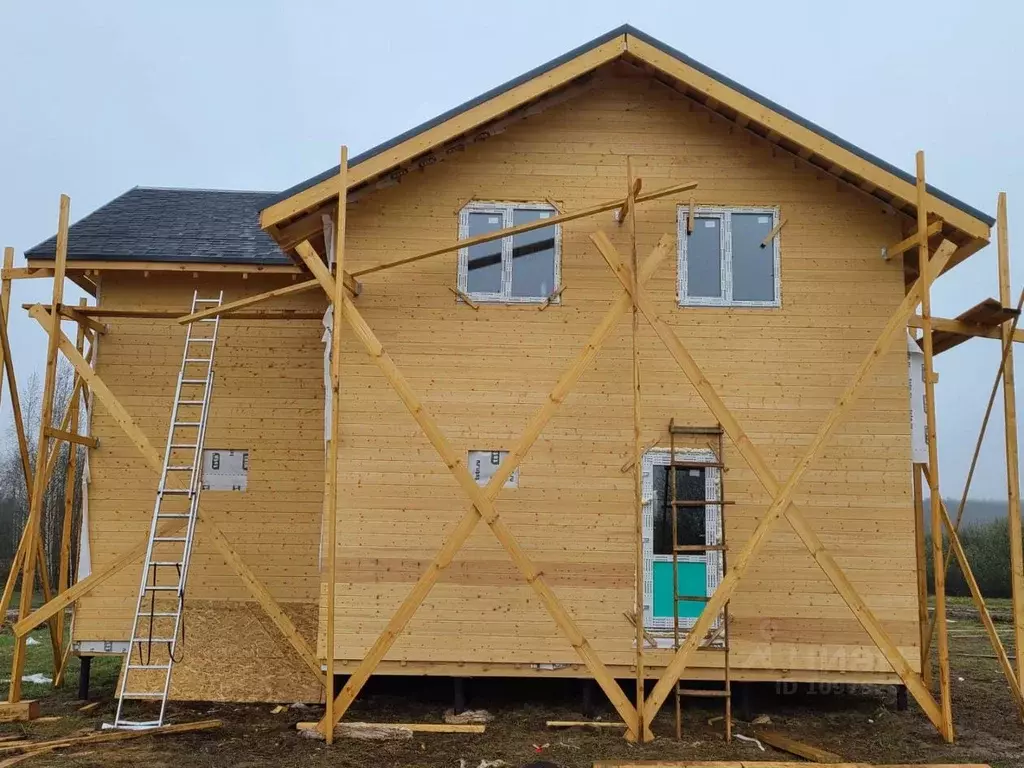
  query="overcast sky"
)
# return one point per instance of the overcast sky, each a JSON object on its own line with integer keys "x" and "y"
{"x": 99, "y": 97}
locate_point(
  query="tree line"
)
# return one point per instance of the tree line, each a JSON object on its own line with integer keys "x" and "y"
{"x": 14, "y": 495}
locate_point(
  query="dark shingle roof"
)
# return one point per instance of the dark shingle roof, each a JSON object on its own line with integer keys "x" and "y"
{"x": 182, "y": 225}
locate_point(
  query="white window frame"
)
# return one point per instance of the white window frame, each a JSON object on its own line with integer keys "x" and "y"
{"x": 712, "y": 524}
{"x": 506, "y": 211}
{"x": 724, "y": 215}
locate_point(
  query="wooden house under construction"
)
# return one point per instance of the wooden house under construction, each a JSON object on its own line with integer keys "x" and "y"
{"x": 623, "y": 316}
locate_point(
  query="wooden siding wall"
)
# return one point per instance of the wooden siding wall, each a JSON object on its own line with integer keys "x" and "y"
{"x": 268, "y": 398}
{"x": 483, "y": 373}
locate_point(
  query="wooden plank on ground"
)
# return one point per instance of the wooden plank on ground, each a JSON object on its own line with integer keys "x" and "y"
{"x": 414, "y": 727}
{"x": 798, "y": 748}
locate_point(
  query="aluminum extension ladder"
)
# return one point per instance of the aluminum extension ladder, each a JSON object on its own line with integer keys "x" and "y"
{"x": 146, "y": 675}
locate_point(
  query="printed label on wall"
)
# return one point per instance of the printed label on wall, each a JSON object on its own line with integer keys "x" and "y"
{"x": 225, "y": 469}
{"x": 483, "y": 465}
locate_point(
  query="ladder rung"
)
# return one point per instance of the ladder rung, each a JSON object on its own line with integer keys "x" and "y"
{"x": 193, "y": 381}
{"x": 191, "y": 402}
{"x": 157, "y": 615}
{"x": 701, "y": 548}
{"x": 182, "y": 446}
{"x": 173, "y": 515}
{"x": 675, "y": 429}
{"x": 693, "y": 598}
{"x": 197, "y": 360}
{"x": 175, "y": 491}
{"x": 203, "y": 339}
{"x": 166, "y": 562}
{"x": 169, "y": 538}
{"x": 153, "y": 640}
{"x": 180, "y": 469}
{"x": 708, "y": 503}
{"x": 136, "y": 725}
{"x": 142, "y": 695}
{"x": 207, "y": 301}
{"x": 158, "y": 588}
{"x": 696, "y": 464}
{"x": 187, "y": 424}
{"x": 701, "y": 693}
{"x": 149, "y": 666}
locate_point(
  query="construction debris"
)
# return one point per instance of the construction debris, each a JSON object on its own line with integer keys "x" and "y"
{"x": 32, "y": 748}
{"x": 89, "y": 707}
{"x": 798, "y": 748}
{"x": 467, "y": 716}
{"x": 584, "y": 724}
{"x": 385, "y": 730}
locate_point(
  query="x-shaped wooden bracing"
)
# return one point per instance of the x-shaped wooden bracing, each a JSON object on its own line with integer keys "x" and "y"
{"x": 781, "y": 494}
{"x": 482, "y": 500}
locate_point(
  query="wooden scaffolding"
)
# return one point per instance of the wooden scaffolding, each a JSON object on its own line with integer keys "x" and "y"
{"x": 995, "y": 320}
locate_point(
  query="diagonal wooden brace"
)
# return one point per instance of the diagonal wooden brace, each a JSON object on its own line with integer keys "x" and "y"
{"x": 504, "y": 471}
{"x": 782, "y": 494}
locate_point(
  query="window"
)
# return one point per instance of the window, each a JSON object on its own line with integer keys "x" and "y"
{"x": 696, "y": 573}
{"x": 722, "y": 263}
{"x": 520, "y": 268}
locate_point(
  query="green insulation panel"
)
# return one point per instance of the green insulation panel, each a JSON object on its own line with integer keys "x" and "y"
{"x": 692, "y": 581}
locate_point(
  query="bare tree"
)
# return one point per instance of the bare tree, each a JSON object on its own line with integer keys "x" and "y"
{"x": 14, "y": 496}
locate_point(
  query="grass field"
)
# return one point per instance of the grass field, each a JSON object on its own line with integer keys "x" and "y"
{"x": 861, "y": 724}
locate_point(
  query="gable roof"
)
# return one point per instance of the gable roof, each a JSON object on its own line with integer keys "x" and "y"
{"x": 750, "y": 109}
{"x": 175, "y": 225}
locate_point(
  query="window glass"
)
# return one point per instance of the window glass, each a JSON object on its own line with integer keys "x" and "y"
{"x": 753, "y": 267}
{"x": 690, "y": 520}
{"x": 484, "y": 262}
{"x": 704, "y": 258}
{"x": 533, "y": 257}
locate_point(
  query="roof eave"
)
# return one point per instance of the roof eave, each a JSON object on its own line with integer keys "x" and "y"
{"x": 637, "y": 45}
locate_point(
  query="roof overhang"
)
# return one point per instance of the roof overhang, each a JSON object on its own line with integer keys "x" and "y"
{"x": 966, "y": 226}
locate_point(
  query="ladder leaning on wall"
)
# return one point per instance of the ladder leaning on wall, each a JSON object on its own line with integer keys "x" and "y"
{"x": 714, "y": 541}
{"x": 146, "y": 675}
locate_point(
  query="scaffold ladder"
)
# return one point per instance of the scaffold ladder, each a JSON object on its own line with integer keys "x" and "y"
{"x": 714, "y": 541}
{"x": 146, "y": 674}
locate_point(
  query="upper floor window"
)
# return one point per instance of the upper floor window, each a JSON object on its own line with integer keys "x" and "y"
{"x": 722, "y": 261}
{"x": 518, "y": 268}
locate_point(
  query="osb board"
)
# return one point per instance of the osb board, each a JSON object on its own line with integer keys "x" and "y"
{"x": 233, "y": 652}
{"x": 268, "y": 398}
{"x": 482, "y": 374}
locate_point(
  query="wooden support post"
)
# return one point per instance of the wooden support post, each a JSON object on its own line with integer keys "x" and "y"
{"x": 781, "y": 493}
{"x": 638, "y": 507}
{"x": 35, "y": 513}
{"x": 63, "y": 578}
{"x": 331, "y": 469}
{"x": 956, "y": 547}
{"x": 5, "y": 309}
{"x": 920, "y": 550}
{"x": 928, "y": 274}
{"x": 1012, "y": 457}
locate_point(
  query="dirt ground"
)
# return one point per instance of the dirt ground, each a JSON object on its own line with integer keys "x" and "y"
{"x": 861, "y": 724}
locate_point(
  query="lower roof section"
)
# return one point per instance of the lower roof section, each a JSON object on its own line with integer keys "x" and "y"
{"x": 189, "y": 226}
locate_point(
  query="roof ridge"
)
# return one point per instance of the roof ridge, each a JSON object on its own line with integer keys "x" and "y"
{"x": 204, "y": 189}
